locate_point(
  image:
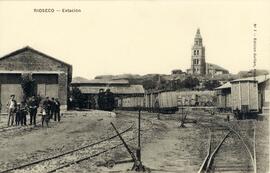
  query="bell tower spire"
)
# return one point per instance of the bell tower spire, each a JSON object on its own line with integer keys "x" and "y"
{"x": 198, "y": 65}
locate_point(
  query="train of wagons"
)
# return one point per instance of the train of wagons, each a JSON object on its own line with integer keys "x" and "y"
{"x": 168, "y": 101}
{"x": 242, "y": 98}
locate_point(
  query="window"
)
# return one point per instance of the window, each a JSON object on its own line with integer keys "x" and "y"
{"x": 197, "y": 52}
{"x": 194, "y": 52}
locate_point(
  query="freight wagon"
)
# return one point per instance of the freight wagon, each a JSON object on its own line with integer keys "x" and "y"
{"x": 197, "y": 98}
{"x": 224, "y": 100}
{"x": 245, "y": 98}
{"x": 169, "y": 101}
{"x": 131, "y": 103}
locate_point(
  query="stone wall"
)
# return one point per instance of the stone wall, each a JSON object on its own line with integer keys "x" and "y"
{"x": 28, "y": 60}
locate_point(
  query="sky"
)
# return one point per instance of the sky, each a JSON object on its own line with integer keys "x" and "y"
{"x": 138, "y": 37}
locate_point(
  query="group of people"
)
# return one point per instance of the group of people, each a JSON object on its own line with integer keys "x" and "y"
{"x": 106, "y": 100}
{"x": 17, "y": 112}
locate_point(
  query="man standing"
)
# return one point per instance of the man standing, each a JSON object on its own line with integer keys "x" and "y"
{"x": 53, "y": 108}
{"x": 33, "y": 106}
{"x": 109, "y": 100}
{"x": 57, "y": 110}
{"x": 23, "y": 110}
{"x": 18, "y": 115}
{"x": 46, "y": 111}
{"x": 101, "y": 99}
{"x": 11, "y": 107}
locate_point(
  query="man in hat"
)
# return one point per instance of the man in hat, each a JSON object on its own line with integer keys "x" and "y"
{"x": 53, "y": 109}
{"x": 33, "y": 106}
{"x": 46, "y": 111}
{"x": 101, "y": 99}
{"x": 57, "y": 110}
{"x": 18, "y": 115}
{"x": 11, "y": 107}
{"x": 109, "y": 100}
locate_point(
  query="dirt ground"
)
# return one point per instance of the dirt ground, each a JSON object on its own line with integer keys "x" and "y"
{"x": 165, "y": 146}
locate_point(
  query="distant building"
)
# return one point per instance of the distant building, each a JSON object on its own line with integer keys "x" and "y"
{"x": 52, "y": 76}
{"x": 214, "y": 69}
{"x": 177, "y": 71}
{"x": 120, "y": 88}
{"x": 198, "y": 63}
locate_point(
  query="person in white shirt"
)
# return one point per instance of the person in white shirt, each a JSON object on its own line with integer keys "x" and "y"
{"x": 11, "y": 107}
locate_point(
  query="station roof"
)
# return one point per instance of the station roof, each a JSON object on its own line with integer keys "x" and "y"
{"x": 131, "y": 89}
{"x": 79, "y": 80}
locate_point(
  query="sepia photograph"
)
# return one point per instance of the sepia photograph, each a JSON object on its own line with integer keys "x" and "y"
{"x": 126, "y": 86}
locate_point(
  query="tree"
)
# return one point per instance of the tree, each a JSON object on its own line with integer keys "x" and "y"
{"x": 190, "y": 82}
{"x": 211, "y": 84}
{"x": 77, "y": 97}
{"x": 28, "y": 85}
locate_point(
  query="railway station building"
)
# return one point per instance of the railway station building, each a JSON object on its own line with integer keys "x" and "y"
{"x": 121, "y": 88}
{"x": 52, "y": 76}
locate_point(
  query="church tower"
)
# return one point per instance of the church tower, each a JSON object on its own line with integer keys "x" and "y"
{"x": 198, "y": 65}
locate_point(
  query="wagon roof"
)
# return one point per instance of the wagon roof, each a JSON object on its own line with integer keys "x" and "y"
{"x": 259, "y": 79}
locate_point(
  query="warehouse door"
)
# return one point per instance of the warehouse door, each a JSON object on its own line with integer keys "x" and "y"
{"x": 47, "y": 85}
{"x": 52, "y": 90}
{"x": 41, "y": 90}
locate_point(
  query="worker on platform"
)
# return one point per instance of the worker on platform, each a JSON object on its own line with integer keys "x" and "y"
{"x": 46, "y": 111}
{"x": 32, "y": 107}
{"x": 108, "y": 100}
{"x": 11, "y": 107}
{"x": 53, "y": 108}
{"x": 101, "y": 99}
{"x": 18, "y": 115}
{"x": 23, "y": 112}
{"x": 57, "y": 110}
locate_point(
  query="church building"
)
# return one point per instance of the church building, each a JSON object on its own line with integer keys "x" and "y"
{"x": 198, "y": 63}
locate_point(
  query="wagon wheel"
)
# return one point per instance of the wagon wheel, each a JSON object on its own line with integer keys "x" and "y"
{"x": 110, "y": 164}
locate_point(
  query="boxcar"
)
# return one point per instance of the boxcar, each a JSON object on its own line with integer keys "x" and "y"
{"x": 245, "y": 98}
{"x": 131, "y": 103}
{"x": 197, "y": 98}
{"x": 168, "y": 101}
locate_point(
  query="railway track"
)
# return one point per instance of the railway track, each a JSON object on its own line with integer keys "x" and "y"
{"x": 135, "y": 114}
{"x": 92, "y": 155}
{"x": 67, "y": 158}
{"x": 229, "y": 150}
{"x": 19, "y": 127}
{"x": 75, "y": 156}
